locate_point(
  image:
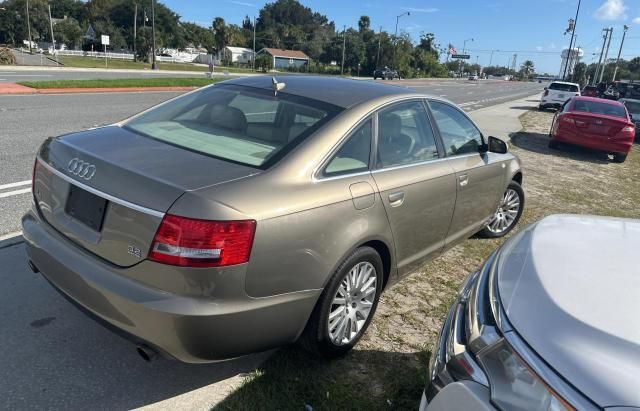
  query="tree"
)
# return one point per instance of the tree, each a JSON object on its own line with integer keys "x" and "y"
{"x": 68, "y": 32}
{"x": 364, "y": 24}
{"x": 526, "y": 69}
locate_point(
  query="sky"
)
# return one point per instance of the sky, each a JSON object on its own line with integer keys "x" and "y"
{"x": 534, "y": 30}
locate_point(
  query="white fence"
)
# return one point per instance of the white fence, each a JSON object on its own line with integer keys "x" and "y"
{"x": 80, "y": 53}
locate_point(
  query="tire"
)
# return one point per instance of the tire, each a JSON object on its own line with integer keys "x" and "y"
{"x": 317, "y": 336}
{"x": 498, "y": 230}
{"x": 540, "y": 108}
{"x": 619, "y": 157}
{"x": 554, "y": 145}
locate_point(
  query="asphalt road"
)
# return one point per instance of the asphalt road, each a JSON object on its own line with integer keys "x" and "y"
{"x": 26, "y": 120}
{"x": 56, "y": 358}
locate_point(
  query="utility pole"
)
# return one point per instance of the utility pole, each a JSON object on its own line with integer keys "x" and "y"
{"x": 135, "y": 30}
{"x": 573, "y": 31}
{"x": 624, "y": 34}
{"x": 577, "y": 60}
{"x": 606, "y": 54}
{"x": 29, "y": 26}
{"x": 344, "y": 44}
{"x": 604, "y": 43}
{"x": 53, "y": 40}
{"x": 153, "y": 34}
{"x": 378, "y": 55}
{"x": 491, "y": 58}
{"x": 395, "y": 39}
{"x": 254, "y": 43}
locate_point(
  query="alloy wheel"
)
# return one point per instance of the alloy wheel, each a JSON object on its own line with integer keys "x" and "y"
{"x": 507, "y": 212}
{"x": 352, "y": 303}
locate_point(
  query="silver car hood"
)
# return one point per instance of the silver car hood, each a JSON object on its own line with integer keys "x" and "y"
{"x": 570, "y": 286}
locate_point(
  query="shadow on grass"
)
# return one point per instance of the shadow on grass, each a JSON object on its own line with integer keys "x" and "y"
{"x": 372, "y": 380}
{"x": 538, "y": 143}
{"x": 523, "y": 108}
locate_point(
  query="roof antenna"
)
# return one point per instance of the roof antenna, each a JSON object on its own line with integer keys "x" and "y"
{"x": 276, "y": 86}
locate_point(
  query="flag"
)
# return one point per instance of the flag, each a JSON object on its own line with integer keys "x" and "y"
{"x": 452, "y": 50}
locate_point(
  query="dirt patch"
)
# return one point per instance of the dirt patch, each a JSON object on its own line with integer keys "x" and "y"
{"x": 387, "y": 370}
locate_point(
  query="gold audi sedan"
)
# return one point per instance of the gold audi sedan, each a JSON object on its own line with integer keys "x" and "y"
{"x": 258, "y": 212}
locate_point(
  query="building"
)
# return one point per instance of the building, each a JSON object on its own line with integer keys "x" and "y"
{"x": 282, "y": 59}
{"x": 240, "y": 55}
{"x": 571, "y": 58}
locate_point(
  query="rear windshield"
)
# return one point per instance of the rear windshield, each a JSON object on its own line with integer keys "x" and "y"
{"x": 600, "y": 108}
{"x": 633, "y": 106}
{"x": 239, "y": 124}
{"x": 564, "y": 87}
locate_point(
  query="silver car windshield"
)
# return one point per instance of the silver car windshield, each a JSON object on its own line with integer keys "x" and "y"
{"x": 239, "y": 124}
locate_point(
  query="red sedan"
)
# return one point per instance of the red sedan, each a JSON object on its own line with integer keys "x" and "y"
{"x": 594, "y": 123}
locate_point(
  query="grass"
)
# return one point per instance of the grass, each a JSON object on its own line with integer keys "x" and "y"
{"x": 93, "y": 62}
{"x": 387, "y": 369}
{"x": 126, "y": 82}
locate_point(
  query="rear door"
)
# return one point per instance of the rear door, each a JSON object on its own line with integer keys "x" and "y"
{"x": 417, "y": 186}
{"x": 479, "y": 177}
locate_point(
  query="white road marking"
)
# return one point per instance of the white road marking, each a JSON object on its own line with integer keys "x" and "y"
{"x": 12, "y": 185}
{"x": 15, "y": 193}
{"x": 27, "y": 75}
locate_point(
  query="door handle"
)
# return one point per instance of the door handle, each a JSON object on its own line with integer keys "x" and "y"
{"x": 463, "y": 179}
{"x": 396, "y": 199}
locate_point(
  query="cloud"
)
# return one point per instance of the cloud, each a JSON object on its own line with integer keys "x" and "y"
{"x": 636, "y": 20}
{"x": 539, "y": 48}
{"x": 611, "y": 10}
{"x": 552, "y": 45}
{"x": 420, "y": 9}
{"x": 241, "y": 3}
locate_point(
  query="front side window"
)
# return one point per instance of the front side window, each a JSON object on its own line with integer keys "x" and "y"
{"x": 459, "y": 134}
{"x": 405, "y": 135}
{"x": 354, "y": 155}
{"x": 238, "y": 124}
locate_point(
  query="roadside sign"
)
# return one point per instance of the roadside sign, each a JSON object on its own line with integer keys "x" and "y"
{"x": 104, "y": 39}
{"x": 461, "y": 56}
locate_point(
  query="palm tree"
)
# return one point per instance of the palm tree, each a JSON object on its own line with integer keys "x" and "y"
{"x": 527, "y": 68}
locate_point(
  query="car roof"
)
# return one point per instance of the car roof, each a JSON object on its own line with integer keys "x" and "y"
{"x": 334, "y": 90}
{"x": 565, "y": 82}
{"x": 598, "y": 100}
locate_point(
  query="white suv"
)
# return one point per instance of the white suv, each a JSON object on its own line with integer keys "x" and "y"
{"x": 557, "y": 94}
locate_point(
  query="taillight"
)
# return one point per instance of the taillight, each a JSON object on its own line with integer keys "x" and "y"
{"x": 189, "y": 242}
{"x": 567, "y": 119}
{"x": 629, "y": 129}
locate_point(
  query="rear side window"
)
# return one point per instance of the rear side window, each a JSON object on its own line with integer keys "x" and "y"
{"x": 354, "y": 155}
{"x": 596, "y": 107}
{"x": 405, "y": 135}
{"x": 239, "y": 124}
{"x": 564, "y": 87}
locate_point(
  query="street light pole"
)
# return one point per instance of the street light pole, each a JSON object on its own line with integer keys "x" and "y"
{"x": 464, "y": 49}
{"x": 624, "y": 34}
{"x": 29, "y": 26}
{"x": 378, "y": 54}
{"x": 344, "y": 44}
{"x": 153, "y": 34}
{"x": 135, "y": 30}
{"x": 53, "y": 40}
{"x": 395, "y": 38}
{"x": 254, "y": 43}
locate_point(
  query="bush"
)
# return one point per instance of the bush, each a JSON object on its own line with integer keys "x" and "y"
{"x": 7, "y": 57}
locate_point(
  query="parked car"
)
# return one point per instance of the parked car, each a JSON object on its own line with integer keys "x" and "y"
{"x": 594, "y": 123}
{"x": 589, "y": 91}
{"x": 549, "y": 322}
{"x": 633, "y": 107}
{"x": 385, "y": 74}
{"x": 232, "y": 220}
{"x": 557, "y": 93}
{"x": 473, "y": 77}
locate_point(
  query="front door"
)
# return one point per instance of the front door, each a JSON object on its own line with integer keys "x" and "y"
{"x": 479, "y": 177}
{"x": 417, "y": 186}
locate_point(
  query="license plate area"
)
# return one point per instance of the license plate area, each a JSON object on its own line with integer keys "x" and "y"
{"x": 86, "y": 207}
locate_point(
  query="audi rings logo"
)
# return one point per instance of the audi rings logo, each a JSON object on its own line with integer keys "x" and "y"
{"x": 81, "y": 168}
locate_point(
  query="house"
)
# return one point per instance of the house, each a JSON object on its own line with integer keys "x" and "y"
{"x": 240, "y": 55}
{"x": 283, "y": 59}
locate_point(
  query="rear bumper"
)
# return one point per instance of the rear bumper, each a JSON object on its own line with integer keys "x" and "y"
{"x": 596, "y": 143}
{"x": 190, "y": 329}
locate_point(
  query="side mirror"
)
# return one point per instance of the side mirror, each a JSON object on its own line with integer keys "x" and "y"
{"x": 497, "y": 146}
